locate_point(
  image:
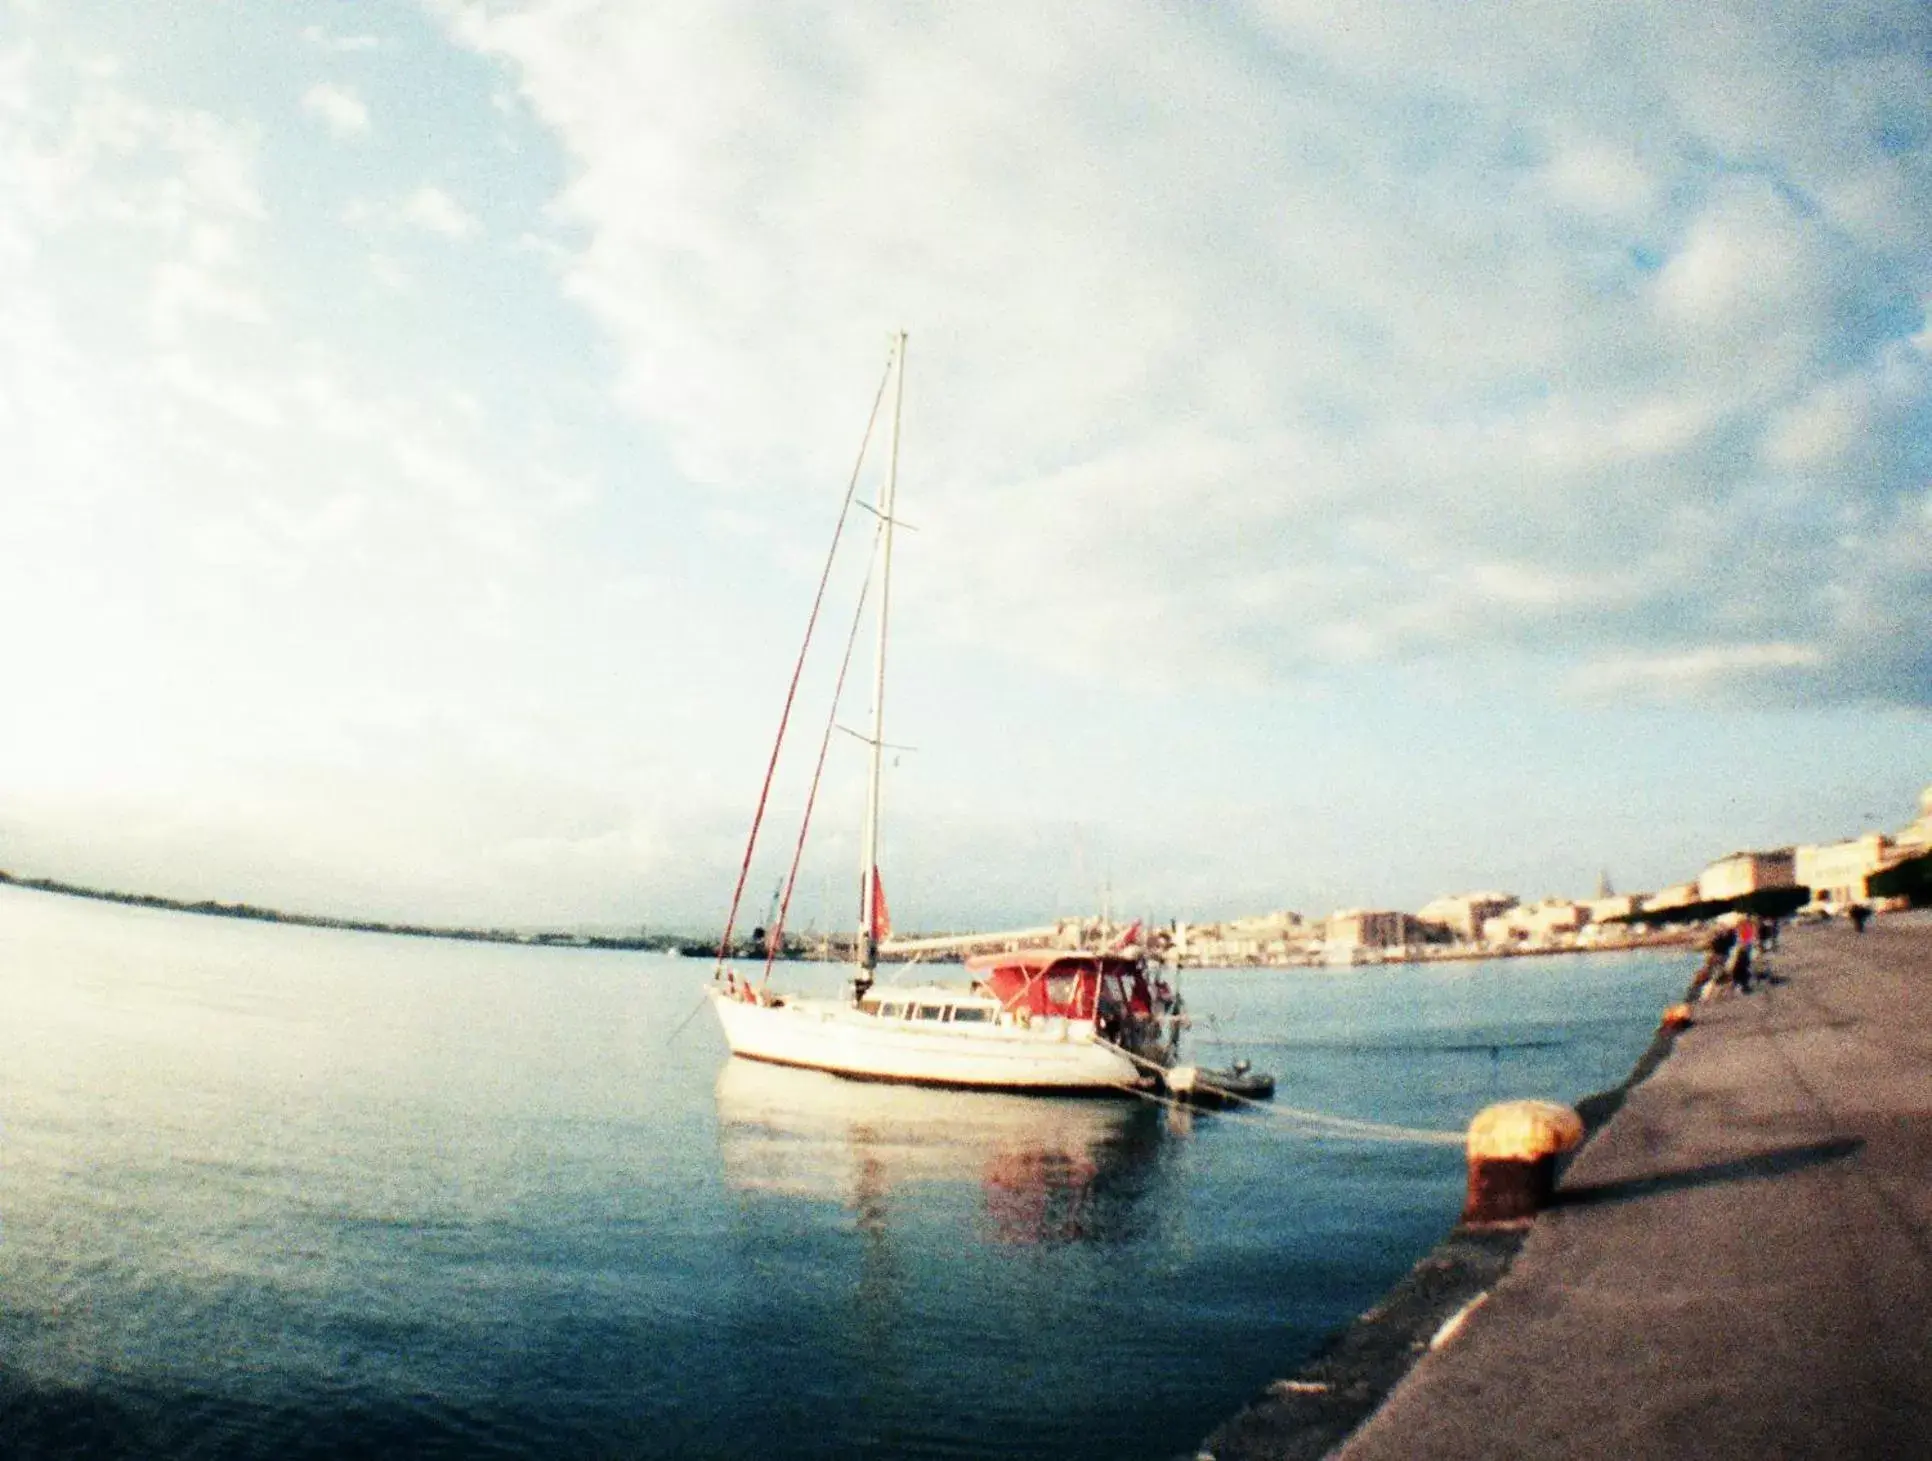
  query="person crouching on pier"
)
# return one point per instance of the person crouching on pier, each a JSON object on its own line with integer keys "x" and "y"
{"x": 1716, "y": 967}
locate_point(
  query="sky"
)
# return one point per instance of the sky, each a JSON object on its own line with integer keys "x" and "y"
{"x": 1350, "y": 453}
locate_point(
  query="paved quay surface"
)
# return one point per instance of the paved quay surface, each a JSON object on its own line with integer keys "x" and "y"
{"x": 1740, "y": 1263}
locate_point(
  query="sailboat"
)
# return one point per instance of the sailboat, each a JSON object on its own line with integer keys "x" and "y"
{"x": 1034, "y": 1020}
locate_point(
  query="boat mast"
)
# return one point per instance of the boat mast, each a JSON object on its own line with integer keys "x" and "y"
{"x": 869, "y": 899}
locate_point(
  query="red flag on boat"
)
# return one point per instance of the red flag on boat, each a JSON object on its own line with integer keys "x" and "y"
{"x": 1131, "y": 936}
{"x": 880, "y": 915}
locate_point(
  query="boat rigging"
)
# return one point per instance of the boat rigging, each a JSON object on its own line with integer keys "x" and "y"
{"x": 1047, "y": 1020}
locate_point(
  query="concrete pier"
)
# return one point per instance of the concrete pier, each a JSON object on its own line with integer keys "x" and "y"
{"x": 1739, "y": 1264}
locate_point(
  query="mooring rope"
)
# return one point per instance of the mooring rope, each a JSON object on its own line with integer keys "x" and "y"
{"x": 672, "y": 1037}
{"x": 1355, "y": 1128}
{"x": 1315, "y": 1122}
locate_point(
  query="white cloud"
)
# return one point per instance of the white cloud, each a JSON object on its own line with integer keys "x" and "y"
{"x": 1750, "y": 272}
{"x": 246, "y": 402}
{"x": 1604, "y": 181}
{"x": 426, "y": 209}
{"x": 1817, "y": 429}
{"x": 183, "y": 290}
{"x": 339, "y": 108}
{"x": 1512, "y": 296}
{"x": 390, "y": 274}
{"x": 432, "y": 210}
{"x": 243, "y": 545}
{"x": 325, "y": 40}
{"x": 1701, "y": 670}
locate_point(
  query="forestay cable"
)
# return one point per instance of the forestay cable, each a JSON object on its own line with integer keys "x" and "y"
{"x": 777, "y": 933}
{"x": 791, "y": 692}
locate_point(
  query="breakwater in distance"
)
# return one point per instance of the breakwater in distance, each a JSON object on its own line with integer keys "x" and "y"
{"x": 209, "y": 907}
{"x": 282, "y": 1191}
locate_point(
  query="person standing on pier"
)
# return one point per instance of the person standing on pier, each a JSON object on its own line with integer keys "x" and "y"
{"x": 1747, "y": 930}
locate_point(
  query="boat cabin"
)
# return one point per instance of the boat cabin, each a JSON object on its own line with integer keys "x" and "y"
{"x": 1108, "y": 993}
{"x": 1042, "y": 983}
{"x": 932, "y": 1002}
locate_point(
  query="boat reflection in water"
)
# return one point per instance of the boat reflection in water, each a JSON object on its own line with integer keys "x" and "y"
{"x": 1051, "y": 1170}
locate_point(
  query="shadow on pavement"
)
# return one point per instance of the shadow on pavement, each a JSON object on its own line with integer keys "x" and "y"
{"x": 1738, "y": 1169}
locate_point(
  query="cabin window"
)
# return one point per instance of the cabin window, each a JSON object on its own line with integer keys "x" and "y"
{"x": 929, "y": 1012}
{"x": 971, "y": 1014}
{"x": 1060, "y": 989}
{"x": 892, "y": 1011}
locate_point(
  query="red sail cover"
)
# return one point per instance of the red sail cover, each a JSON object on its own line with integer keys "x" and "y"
{"x": 1051, "y": 982}
{"x": 881, "y": 917}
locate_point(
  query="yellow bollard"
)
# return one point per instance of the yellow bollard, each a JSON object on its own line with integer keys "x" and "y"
{"x": 1512, "y": 1159}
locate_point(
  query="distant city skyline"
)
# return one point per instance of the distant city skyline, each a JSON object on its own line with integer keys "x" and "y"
{"x": 1835, "y": 874}
{"x": 1356, "y": 456}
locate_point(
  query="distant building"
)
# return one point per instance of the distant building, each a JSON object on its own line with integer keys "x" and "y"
{"x": 1840, "y": 872}
{"x": 1612, "y": 908}
{"x": 1361, "y": 928}
{"x": 1465, "y": 914}
{"x": 1552, "y": 921}
{"x": 1743, "y": 873}
{"x": 1677, "y": 895}
{"x": 1836, "y": 871}
{"x": 1267, "y": 938}
{"x": 1918, "y": 837}
{"x": 1555, "y": 916}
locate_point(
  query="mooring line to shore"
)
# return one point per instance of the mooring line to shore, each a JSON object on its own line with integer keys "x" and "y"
{"x": 1319, "y": 1121}
{"x": 1350, "y": 1126}
{"x": 1347, "y": 1126}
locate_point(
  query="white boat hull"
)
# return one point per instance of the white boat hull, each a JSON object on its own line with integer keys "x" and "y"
{"x": 831, "y": 1035}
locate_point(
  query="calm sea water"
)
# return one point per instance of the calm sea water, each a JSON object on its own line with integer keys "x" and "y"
{"x": 279, "y": 1192}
